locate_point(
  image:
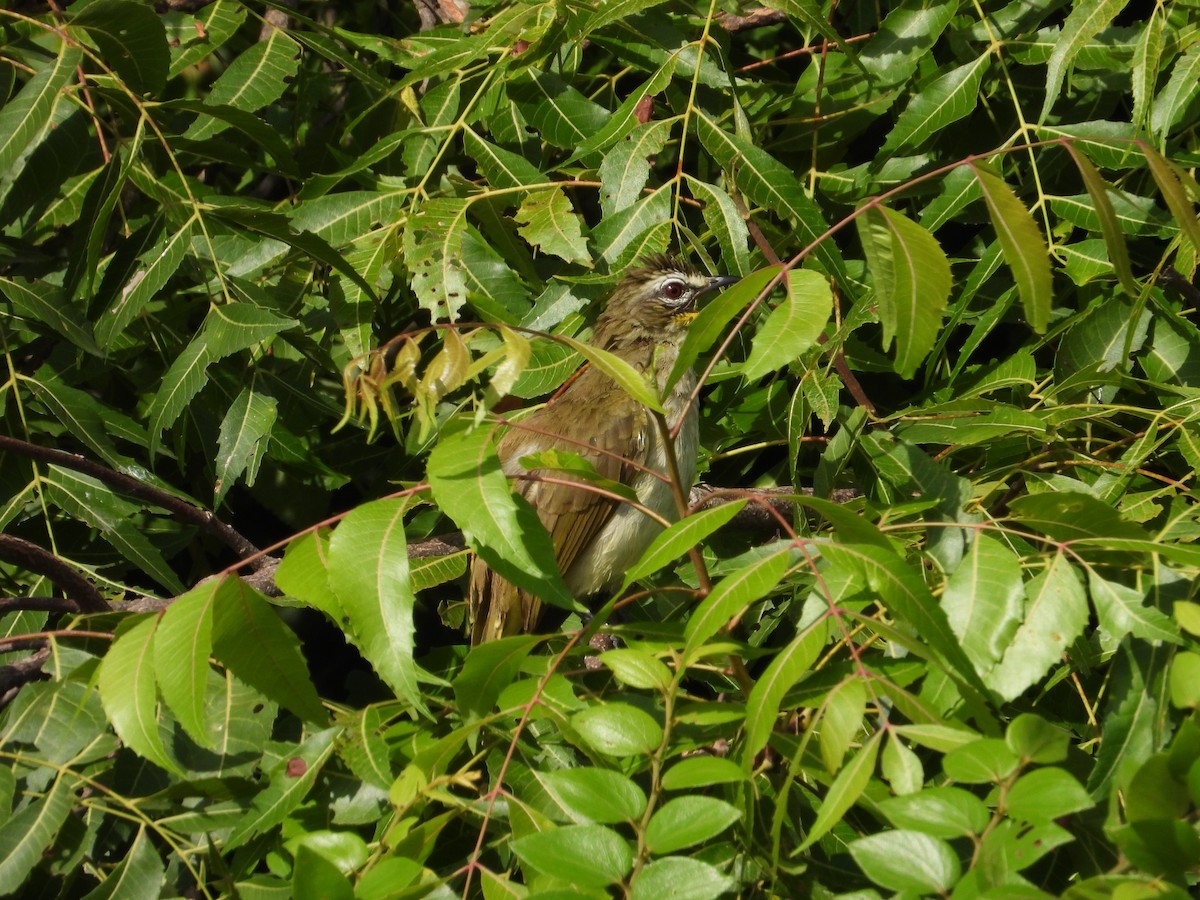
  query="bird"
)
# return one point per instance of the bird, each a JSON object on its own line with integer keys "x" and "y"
{"x": 597, "y": 538}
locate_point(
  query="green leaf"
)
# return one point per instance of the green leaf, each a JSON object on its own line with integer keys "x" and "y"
{"x": 726, "y": 223}
{"x": 732, "y": 595}
{"x": 585, "y": 855}
{"x": 488, "y": 670}
{"x": 770, "y": 183}
{"x": 983, "y": 600}
{"x": 632, "y": 381}
{"x": 182, "y": 381}
{"x": 368, "y": 570}
{"x": 132, "y": 42}
{"x": 251, "y": 641}
{"x": 1056, "y": 613}
{"x": 618, "y": 729}
{"x": 256, "y": 78}
{"x": 291, "y": 778}
{"x": 117, "y": 519}
{"x": 595, "y": 796}
{"x": 432, "y": 253}
{"x": 24, "y": 116}
{"x": 948, "y": 98}
{"x": 841, "y": 721}
{"x": 945, "y": 812}
{"x": 154, "y": 270}
{"x": 1110, "y": 228}
{"x": 634, "y": 232}
{"x": 182, "y": 646}
{"x": 31, "y": 832}
{"x": 847, "y": 787}
{"x": 793, "y": 326}
{"x": 980, "y": 762}
{"x": 681, "y": 877}
{"x": 1121, "y": 610}
{"x": 139, "y": 876}
{"x": 502, "y": 168}
{"x": 562, "y": 115}
{"x": 315, "y": 877}
{"x": 469, "y": 486}
{"x": 46, "y": 305}
{"x": 1046, "y": 794}
{"x": 701, "y": 771}
{"x": 128, "y": 691}
{"x": 242, "y": 439}
{"x": 912, "y": 283}
{"x": 1037, "y": 740}
{"x": 670, "y": 544}
{"x": 788, "y": 667}
{"x": 232, "y": 327}
{"x": 1167, "y": 177}
{"x": 626, "y": 167}
{"x": 637, "y": 669}
{"x": 1022, "y": 246}
{"x": 1084, "y": 22}
{"x": 1178, "y": 93}
{"x": 546, "y": 220}
{"x": 907, "y": 861}
{"x": 687, "y": 821}
{"x": 710, "y": 322}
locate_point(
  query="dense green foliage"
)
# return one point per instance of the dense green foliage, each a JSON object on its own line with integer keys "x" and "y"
{"x": 281, "y": 263}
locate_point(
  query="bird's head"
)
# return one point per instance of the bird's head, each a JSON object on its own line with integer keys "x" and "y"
{"x": 655, "y": 301}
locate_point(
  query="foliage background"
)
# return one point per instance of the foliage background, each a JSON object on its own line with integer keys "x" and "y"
{"x": 228, "y": 229}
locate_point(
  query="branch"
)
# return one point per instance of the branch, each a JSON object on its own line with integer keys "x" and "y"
{"x": 182, "y": 509}
{"x": 32, "y": 557}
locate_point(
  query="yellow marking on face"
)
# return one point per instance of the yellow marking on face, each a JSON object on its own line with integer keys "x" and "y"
{"x": 686, "y": 318}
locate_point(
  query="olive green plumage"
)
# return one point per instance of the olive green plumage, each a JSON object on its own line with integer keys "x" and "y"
{"x": 596, "y": 538}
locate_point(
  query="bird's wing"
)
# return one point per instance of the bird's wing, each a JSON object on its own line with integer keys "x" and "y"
{"x": 572, "y": 517}
{"x": 575, "y": 517}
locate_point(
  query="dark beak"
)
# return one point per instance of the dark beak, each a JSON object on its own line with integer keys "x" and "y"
{"x": 717, "y": 282}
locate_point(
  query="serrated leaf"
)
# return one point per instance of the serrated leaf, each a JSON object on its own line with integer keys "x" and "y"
{"x": 546, "y": 220}
{"x": 793, "y": 326}
{"x": 502, "y": 168}
{"x": 132, "y": 42}
{"x": 1178, "y": 93}
{"x": 731, "y": 595}
{"x": 1022, "y": 245}
{"x": 847, "y": 787}
{"x": 626, "y": 166}
{"x": 983, "y": 600}
{"x": 154, "y": 270}
{"x": 30, "y": 832}
{"x": 1110, "y": 227}
{"x": 432, "y": 252}
{"x": 950, "y": 97}
{"x": 243, "y": 432}
{"x": 1056, "y": 612}
{"x": 635, "y": 231}
{"x": 24, "y": 116}
{"x": 679, "y": 538}
{"x": 469, "y": 486}
{"x": 368, "y": 570}
{"x": 1084, "y": 22}
{"x": 1168, "y": 181}
{"x": 562, "y": 115}
{"x": 182, "y": 645}
{"x": 781, "y": 674}
{"x": 257, "y": 77}
{"x": 250, "y": 640}
{"x": 912, "y": 283}
{"x": 128, "y": 690}
{"x": 181, "y": 382}
{"x": 291, "y": 780}
{"x": 770, "y": 183}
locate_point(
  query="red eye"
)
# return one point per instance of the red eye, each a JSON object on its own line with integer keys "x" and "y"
{"x": 673, "y": 290}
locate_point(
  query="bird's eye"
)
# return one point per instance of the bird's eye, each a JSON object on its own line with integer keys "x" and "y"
{"x": 673, "y": 289}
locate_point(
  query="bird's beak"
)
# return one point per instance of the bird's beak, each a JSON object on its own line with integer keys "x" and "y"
{"x": 717, "y": 282}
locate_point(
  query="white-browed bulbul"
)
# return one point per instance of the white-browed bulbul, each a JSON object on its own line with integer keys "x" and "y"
{"x": 596, "y": 538}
